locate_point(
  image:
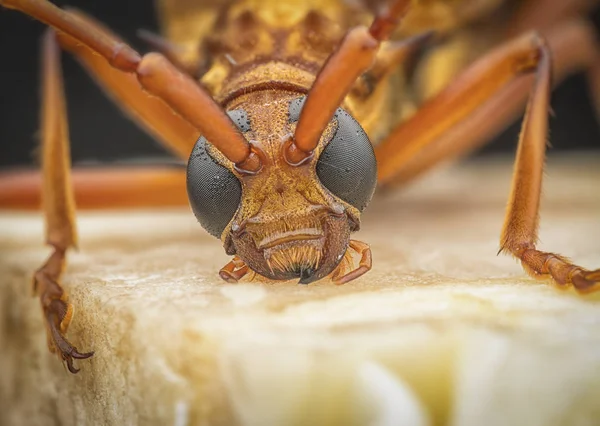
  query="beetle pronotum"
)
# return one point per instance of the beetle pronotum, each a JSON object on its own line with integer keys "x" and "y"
{"x": 284, "y": 166}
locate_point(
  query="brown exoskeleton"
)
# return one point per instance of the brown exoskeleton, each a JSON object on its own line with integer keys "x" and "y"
{"x": 284, "y": 165}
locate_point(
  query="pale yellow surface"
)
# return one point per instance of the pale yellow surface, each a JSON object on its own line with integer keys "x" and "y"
{"x": 442, "y": 331}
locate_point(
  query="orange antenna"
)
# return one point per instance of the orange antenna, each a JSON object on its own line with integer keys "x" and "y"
{"x": 156, "y": 75}
{"x": 353, "y": 57}
{"x": 161, "y": 78}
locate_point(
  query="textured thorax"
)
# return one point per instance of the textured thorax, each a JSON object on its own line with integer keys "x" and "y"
{"x": 252, "y": 45}
{"x": 270, "y": 43}
{"x": 257, "y": 45}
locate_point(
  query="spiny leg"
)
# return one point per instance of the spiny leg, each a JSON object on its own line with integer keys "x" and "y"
{"x": 474, "y": 107}
{"x": 59, "y": 208}
{"x": 519, "y": 234}
{"x": 366, "y": 262}
{"x": 234, "y": 270}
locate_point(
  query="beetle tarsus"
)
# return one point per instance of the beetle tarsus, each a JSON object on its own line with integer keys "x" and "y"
{"x": 57, "y": 311}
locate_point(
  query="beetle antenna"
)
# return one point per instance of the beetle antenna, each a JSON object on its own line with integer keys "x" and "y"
{"x": 355, "y": 54}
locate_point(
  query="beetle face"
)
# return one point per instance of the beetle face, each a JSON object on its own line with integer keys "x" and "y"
{"x": 285, "y": 221}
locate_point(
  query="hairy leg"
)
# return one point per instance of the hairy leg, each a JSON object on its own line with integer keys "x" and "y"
{"x": 519, "y": 234}
{"x": 59, "y": 208}
{"x": 527, "y": 54}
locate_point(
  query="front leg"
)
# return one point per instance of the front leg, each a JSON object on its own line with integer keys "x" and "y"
{"x": 58, "y": 206}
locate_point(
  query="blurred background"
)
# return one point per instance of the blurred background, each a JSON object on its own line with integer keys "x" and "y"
{"x": 99, "y": 132}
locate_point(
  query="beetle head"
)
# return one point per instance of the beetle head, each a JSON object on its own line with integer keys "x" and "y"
{"x": 285, "y": 220}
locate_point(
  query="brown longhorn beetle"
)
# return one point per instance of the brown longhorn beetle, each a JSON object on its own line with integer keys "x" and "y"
{"x": 279, "y": 114}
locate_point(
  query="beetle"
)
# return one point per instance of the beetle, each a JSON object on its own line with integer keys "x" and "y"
{"x": 291, "y": 128}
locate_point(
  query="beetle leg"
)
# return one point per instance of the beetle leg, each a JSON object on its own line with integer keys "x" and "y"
{"x": 59, "y": 208}
{"x": 544, "y": 15}
{"x": 528, "y": 53}
{"x": 479, "y": 103}
{"x": 58, "y": 312}
{"x": 101, "y": 188}
{"x": 519, "y": 234}
{"x": 366, "y": 262}
{"x": 234, "y": 270}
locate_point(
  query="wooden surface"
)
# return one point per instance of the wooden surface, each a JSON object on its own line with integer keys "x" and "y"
{"x": 441, "y": 332}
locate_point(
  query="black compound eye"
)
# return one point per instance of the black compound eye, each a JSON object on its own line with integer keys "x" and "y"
{"x": 347, "y": 166}
{"x": 213, "y": 191}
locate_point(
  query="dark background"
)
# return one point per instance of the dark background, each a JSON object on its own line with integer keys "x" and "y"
{"x": 99, "y": 132}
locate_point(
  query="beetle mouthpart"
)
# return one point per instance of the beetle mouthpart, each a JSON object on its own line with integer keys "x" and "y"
{"x": 307, "y": 276}
{"x": 304, "y": 249}
{"x": 280, "y": 238}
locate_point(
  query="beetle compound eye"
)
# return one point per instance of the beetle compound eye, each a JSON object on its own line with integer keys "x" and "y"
{"x": 295, "y": 109}
{"x": 347, "y": 166}
{"x": 213, "y": 190}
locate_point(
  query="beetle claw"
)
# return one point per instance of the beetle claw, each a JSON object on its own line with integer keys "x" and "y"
{"x": 57, "y": 341}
